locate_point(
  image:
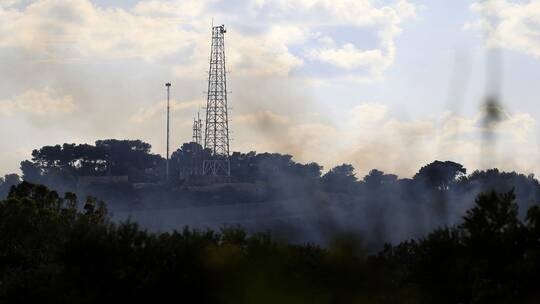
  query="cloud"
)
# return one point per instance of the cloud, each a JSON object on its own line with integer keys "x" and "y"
{"x": 271, "y": 38}
{"x": 262, "y": 55}
{"x": 43, "y": 102}
{"x": 158, "y": 110}
{"x": 349, "y": 57}
{"x": 79, "y": 29}
{"x": 184, "y": 9}
{"x": 267, "y": 54}
{"x": 321, "y": 18}
{"x": 336, "y": 12}
{"x": 513, "y": 25}
{"x": 367, "y": 114}
{"x": 9, "y": 3}
{"x": 384, "y": 21}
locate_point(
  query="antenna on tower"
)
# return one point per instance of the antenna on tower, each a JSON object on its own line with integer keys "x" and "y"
{"x": 168, "y": 85}
{"x": 216, "y": 136}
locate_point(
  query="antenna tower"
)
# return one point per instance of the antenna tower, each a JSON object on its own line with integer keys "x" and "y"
{"x": 196, "y": 164}
{"x": 216, "y": 135}
{"x": 197, "y": 130}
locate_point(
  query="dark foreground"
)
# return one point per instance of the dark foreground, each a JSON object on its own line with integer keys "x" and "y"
{"x": 51, "y": 252}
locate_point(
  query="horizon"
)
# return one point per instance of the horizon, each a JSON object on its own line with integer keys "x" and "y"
{"x": 323, "y": 170}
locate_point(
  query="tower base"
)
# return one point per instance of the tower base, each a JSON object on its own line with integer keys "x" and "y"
{"x": 217, "y": 167}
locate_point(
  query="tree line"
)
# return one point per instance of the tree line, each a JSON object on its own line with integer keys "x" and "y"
{"x": 133, "y": 158}
{"x": 381, "y": 206}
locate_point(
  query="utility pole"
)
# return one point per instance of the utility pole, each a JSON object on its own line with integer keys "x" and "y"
{"x": 168, "y": 85}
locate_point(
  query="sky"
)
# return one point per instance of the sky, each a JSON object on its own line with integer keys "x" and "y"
{"x": 383, "y": 84}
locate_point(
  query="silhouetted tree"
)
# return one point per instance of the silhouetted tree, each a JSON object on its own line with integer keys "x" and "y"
{"x": 526, "y": 187}
{"x": 494, "y": 215}
{"x": 31, "y": 172}
{"x": 440, "y": 175}
{"x": 253, "y": 167}
{"x": 188, "y": 160}
{"x": 7, "y": 182}
{"x": 376, "y": 179}
{"x": 340, "y": 179}
{"x": 64, "y": 164}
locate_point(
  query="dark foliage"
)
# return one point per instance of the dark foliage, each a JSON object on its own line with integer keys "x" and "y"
{"x": 187, "y": 161}
{"x": 269, "y": 167}
{"x": 440, "y": 175}
{"x": 62, "y": 165}
{"x": 492, "y": 257}
{"x": 340, "y": 179}
{"x": 7, "y": 182}
{"x": 53, "y": 250}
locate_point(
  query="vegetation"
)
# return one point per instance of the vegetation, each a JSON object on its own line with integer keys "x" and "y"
{"x": 7, "y": 182}
{"x": 62, "y": 165}
{"x": 51, "y": 249}
{"x": 379, "y": 206}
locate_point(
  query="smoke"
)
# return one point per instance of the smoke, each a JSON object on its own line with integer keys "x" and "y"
{"x": 303, "y": 209}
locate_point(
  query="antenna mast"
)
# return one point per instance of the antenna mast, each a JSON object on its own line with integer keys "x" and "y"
{"x": 216, "y": 137}
{"x": 197, "y": 130}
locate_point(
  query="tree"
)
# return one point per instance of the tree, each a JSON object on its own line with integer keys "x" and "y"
{"x": 188, "y": 160}
{"x": 31, "y": 171}
{"x": 11, "y": 179}
{"x": 64, "y": 164}
{"x": 376, "y": 179}
{"x": 251, "y": 167}
{"x": 495, "y": 243}
{"x": 7, "y": 182}
{"x": 128, "y": 157}
{"x": 244, "y": 165}
{"x": 533, "y": 219}
{"x": 440, "y": 175}
{"x": 307, "y": 171}
{"x": 494, "y": 214}
{"x": 340, "y": 179}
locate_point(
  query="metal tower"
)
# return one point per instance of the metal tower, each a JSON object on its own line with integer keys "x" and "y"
{"x": 216, "y": 135}
{"x": 197, "y": 130}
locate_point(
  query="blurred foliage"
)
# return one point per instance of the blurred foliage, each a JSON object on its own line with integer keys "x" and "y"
{"x": 57, "y": 249}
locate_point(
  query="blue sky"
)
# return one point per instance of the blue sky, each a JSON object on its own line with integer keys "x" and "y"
{"x": 379, "y": 84}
